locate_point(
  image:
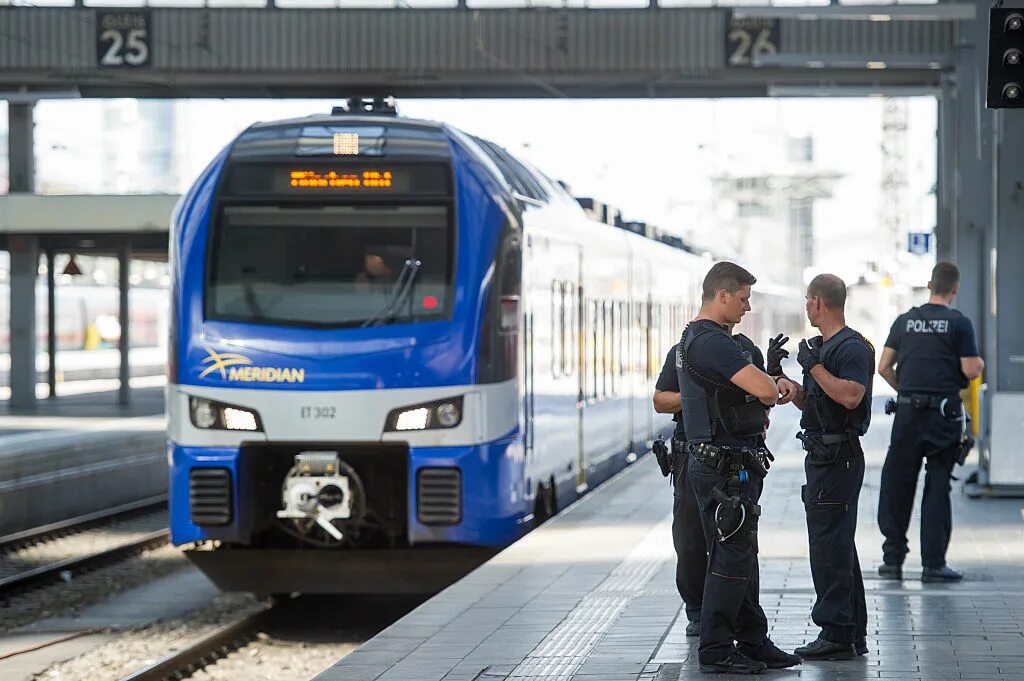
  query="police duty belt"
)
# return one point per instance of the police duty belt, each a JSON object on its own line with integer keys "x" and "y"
{"x": 730, "y": 460}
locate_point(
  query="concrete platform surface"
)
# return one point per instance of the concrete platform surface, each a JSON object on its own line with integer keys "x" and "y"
{"x": 80, "y": 454}
{"x": 591, "y": 595}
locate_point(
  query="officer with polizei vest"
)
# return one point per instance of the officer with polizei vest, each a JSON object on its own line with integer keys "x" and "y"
{"x": 929, "y": 356}
{"x": 724, "y": 404}
{"x": 687, "y": 533}
{"x": 836, "y": 403}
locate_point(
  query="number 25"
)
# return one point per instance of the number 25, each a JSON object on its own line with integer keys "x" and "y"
{"x": 133, "y": 51}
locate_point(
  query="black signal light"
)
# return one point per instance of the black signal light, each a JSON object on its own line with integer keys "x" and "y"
{"x": 1006, "y": 58}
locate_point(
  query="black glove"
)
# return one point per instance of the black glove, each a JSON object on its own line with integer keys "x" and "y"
{"x": 776, "y": 353}
{"x": 809, "y": 354}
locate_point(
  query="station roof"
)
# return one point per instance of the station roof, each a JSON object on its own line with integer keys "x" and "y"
{"x": 93, "y": 223}
{"x": 458, "y": 52}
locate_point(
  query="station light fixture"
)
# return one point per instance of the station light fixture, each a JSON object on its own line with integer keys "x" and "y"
{"x": 1006, "y": 58}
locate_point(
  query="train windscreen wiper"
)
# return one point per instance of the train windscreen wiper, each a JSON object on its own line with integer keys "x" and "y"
{"x": 399, "y": 293}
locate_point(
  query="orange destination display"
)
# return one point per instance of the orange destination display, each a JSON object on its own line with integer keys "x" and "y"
{"x": 372, "y": 179}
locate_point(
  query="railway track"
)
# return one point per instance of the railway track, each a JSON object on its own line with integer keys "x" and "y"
{"x": 60, "y": 551}
{"x": 206, "y": 650}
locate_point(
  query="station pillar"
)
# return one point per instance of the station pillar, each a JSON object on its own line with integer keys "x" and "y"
{"x": 124, "y": 259}
{"x": 24, "y": 251}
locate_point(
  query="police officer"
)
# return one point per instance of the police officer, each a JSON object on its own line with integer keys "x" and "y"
{"x": 724, "y": 402}
{"x": 836, "y": 402}
{"x": 935, "y": 355}
{"x": 687, "y": 532}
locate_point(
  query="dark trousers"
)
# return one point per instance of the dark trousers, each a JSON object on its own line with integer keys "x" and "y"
{"x": 730, "y": 610}
{"x": 918, "y": 435}
{"x": 689, "y": 541}
{"x": 830, "y": 502}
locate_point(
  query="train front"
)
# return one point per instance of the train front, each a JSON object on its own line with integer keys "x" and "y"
{"x": 343, "y": 396}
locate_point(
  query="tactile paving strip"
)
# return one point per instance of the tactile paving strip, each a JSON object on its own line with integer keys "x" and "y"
{"x": 560, "y": 655}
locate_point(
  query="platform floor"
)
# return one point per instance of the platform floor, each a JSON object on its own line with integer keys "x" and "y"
{"x": 591, "y": 595}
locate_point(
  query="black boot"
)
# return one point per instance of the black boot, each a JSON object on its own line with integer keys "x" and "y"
{"x": 890, "y": 571}
{"x": 823, "y": 649}
{"x": 770, "y": 654}
{"x": 942, "y": 574}
{"x": 737, "y": 663}
{"x": 861, "y": 646}
{"x": 693, "y": 628}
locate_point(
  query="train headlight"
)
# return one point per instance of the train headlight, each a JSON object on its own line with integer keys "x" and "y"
{"x": 210, "y": 415}
{"x": 203, "y": 414}
{"x": 413, "y": 419}
{"x": 427, "y": 416}
{"x": 448, "y": 414}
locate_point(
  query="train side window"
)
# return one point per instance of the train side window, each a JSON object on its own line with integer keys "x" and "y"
{"x": 569, "y": 329}
{"x": 593, "y": 349}
{"x": 557, "y": 328}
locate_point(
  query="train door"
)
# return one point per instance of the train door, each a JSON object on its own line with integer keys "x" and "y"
{"x": 581, "y": 372}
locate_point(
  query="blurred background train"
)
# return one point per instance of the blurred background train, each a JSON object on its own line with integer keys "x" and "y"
{"x": 87, "y": 316}
{"x": 395, "y": 348}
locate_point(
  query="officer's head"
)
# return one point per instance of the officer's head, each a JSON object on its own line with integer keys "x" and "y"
{"x": 945, "y": 280}
{"x": 727, "y": 292}
{"x": 826, "y": 297}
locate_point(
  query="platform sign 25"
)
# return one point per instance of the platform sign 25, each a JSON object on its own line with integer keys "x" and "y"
{"x": 748, "y": 38}
{"x": 123, "y": 38}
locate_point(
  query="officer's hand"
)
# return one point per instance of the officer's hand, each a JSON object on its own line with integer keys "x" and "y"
{"x": 787, "y": 390}
{"x": 776, "y": 353}
{"x": 809, "y": 354}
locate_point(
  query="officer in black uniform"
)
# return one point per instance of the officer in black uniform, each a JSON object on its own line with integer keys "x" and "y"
{"x": 836, "y": 402}
{"x": 935, "y": 355}
{"x": 687, "y": 532}
{"x": 724, "y": 403}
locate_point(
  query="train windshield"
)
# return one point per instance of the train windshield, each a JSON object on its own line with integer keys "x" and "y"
{"x": 347, "y": 266}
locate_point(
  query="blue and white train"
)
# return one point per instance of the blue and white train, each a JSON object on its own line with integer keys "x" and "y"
{"x": 396, "y": 348}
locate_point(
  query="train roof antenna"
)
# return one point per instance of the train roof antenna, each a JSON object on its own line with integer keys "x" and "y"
{"x": 367, "y": 105}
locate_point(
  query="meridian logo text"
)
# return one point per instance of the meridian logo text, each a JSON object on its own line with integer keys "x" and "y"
{"x": 238, "y": 368}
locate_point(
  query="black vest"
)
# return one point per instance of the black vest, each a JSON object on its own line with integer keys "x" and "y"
{"x": 821, "y": 412}
{"x": 929, "y": 359}
{"x": 712, "y": 406}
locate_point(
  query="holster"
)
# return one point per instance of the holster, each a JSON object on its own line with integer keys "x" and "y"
{"x": 825, "y": 450}
{"x": 662, "y": 456}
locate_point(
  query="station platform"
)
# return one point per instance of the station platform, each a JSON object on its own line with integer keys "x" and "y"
{"x": 79, "y": 454}
{"x": 591, "y": 596}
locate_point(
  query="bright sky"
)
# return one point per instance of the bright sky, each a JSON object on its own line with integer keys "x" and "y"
{"x": 652, "y": 158}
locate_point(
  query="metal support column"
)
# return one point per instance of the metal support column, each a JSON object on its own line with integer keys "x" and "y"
{"x": 973, "y": 179}
{"x": 24, "y": 270}
{"x": 24, "y": 261}
{"x": 51, "y": 325}
{"x": 1008, "y": 354}
{"x": 20, "y": 143}
{"x": 1004, "y": 473}
{"x": 124, "y": 259}
{"x": 945, "y": 190}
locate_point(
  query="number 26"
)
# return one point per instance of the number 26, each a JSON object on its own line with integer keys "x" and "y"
{"x": 747, "y": 46}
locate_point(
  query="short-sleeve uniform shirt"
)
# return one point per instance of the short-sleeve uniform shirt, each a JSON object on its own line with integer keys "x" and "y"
{"x": 851, "y": 361}
{"x": 719, "y": 356}
{"x": 668, "y": 379}
{"x": 929, "y": 341}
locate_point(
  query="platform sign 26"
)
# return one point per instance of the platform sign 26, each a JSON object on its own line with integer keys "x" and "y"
{"x": 748, "y": 38}
{"x": 123, "y": 38}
